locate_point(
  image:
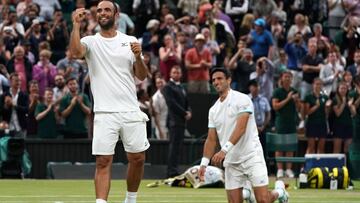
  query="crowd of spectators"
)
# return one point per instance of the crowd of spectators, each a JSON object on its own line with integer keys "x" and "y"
{"x": 301, "y": 56}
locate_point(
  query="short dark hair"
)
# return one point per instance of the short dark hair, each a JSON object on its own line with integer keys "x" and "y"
{"x": 220, "y": 69}
{"x": 253, "y": 83}
{"x": 71, "y": 79}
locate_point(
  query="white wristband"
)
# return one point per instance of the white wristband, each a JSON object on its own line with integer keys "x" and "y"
{"x": 205, "y": 161}
{"x": 227, "y": 147}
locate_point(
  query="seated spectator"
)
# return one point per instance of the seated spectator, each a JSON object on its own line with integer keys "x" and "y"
{"x": 75, "y": 108}
{"x": 44, "y": 71}
{"x": 330, "y": 74}
{"x": 46, "y": 116}
{"x": 316, "y": 109}
{"x": 34, "y": 99}
{"x": 160, "y": 110}
{"x": 15, "y": 106}
{"x": 198, "y": 63}
{"x": 285, "y": 103}
{"x": 22, "y": 66}
{"x": 344, "y": 110}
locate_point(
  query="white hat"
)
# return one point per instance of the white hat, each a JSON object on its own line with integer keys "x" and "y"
{"x": 199, "y": 37}
{"x": 152, "y": 23}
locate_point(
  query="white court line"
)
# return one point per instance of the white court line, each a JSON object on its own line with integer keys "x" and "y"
{"x": 177, "y": 201}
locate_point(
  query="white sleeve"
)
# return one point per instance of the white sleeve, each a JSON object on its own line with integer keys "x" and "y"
{"x": 245, "y": 106}
{"x": 211, "y": 123}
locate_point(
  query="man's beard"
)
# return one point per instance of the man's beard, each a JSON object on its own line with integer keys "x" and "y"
{"x": 108, "y": 25}
{"x": 61, "y": 85}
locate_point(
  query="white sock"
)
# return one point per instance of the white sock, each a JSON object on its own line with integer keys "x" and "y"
{"x": 101, "y": 201}
{"x": 246, "y": 193}
{"x": 280, "y": 192}
{"x": 130, "y": 197}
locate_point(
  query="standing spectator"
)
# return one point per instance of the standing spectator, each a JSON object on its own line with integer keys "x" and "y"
{"x": 264, "y": 8}
{"x": 355, "y": 97}
{"x": 236, "y": 10}
{"x": 178, "y": 113}
{"x": 15, "y": 106}
{"x": 355, "y": 68}
{"x": 34, "y": 99}
{"x": 144, "y": 104}
{"x": 58, "y": 37}
{"x": 160, "y": 110}
{"x": 301, "y": 25}
{"x": 322, "y": 41}
{"x": 188, "y": 7}
{"x": 242, "y": 65}
{"x": 34, "y": 36}
{"x": 151, "y": 39}
{"x": 316, "y": 108}
{"x": 60, "y": 89}
{"x": 264, "y": 75}
{"x": 124, "y": 23}
{"x": 11, "y": 21}
{"x": 296, "y": 50}
{"x": 336, "y": 16}
{"x": 260, "y": 40}
{"x": 280, "y": 65}
{"x": 75, "y": 108}
{"x": 285, "y": 102}
{"x": 46, "y": 116}
{"x": 311, "y": 66}
{"x": 169, "y": 56}
{"x": 48, "y": 7}
{"x": 169, "y": 26}
{"x": 69, "y": 66}
{"x": 246, "y": 26}
{"x": 344, "y": 110}
{"x": 144, "y": 10}
{"x": 262, "y": 111}
{"x": 211, "y": 45}
{"x": 330, "y": 74}
{"x": 198, "y": 63}
{"x": 44, "y": 71}
{"x": 22, "y": 66}
{"x": 185, "y": 26}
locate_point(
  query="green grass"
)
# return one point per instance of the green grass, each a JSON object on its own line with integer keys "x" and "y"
{"x": 66, "y": 191}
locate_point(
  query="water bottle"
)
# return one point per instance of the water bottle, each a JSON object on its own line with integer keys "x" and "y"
{"x": 333, "y": 183}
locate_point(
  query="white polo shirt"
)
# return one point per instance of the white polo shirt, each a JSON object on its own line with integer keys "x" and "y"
{"x": 110, "y": 62}
{"x": 223, "y": 117}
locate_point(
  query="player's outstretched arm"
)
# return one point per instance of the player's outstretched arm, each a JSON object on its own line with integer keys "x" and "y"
{"x": 76, "y": 48}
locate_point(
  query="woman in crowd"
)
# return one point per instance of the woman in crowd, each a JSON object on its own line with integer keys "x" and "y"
{"x": 44, "y": 71}
{"x": 344, "y": 110}
{"x": 316, "y": 108}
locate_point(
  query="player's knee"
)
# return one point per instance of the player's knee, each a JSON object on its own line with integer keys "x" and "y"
{"x": 137, "y": 159}
{"x": 263, "y": 198}
{"x": 103, "y": 162}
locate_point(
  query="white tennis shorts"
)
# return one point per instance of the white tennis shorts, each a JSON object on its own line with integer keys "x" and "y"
{"x": 253, "y": 170}
{"x": 130, "y": 126}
